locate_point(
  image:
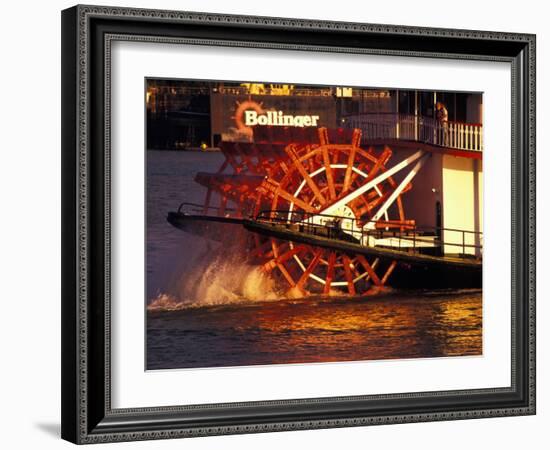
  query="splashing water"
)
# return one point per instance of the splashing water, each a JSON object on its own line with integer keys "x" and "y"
{"x": 222, "y": 281}
{"x": 165, "y": 302}
{"x": 226, "y": 282}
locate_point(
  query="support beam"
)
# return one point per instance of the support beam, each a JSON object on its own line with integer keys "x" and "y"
{"x": 356, "y": 137}
{"x": 347, "y": 272}
{"x": 351, "y": 160}
{"x": 398, "y": 190}
{"x": 285, "y": 273}
{"x": 261, "y": 249}
{"x": 273, "y": 187}
{"x": 291, "y": 151}
{"x": 270, "y": 265}
{"x": 328, "y": 173}
{"x": 330, "y": 272}
{"x": 389, "y": 271}
{"x": 369, "y": 269}
{"x": 370, "y": 184}
{"x": 309, "y": 270}
{"x": 384, "y": 157}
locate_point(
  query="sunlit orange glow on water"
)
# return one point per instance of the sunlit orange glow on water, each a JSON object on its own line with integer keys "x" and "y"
{"x": 312, "y": 330}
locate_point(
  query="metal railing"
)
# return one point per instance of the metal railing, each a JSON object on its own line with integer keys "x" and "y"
{"x": 197, "y": 208}
{"x": 456, "y": 135}
{"x": 407, "y": 237}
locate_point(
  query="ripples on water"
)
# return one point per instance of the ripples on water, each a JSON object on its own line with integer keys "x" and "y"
{"x": 207, "y": 309}
{"x": 397, "y": 325}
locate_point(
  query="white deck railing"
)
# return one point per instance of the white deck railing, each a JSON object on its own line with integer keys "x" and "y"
{"x": 456, "y": 135}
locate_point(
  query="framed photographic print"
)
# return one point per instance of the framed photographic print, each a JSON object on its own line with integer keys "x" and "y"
{"x": 276, "y": 224}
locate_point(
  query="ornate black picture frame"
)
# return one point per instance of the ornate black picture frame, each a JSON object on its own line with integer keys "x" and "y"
{"x": 87, "y": 414}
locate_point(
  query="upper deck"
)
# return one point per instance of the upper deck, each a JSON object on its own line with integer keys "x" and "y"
{"x": 394, "y": 128}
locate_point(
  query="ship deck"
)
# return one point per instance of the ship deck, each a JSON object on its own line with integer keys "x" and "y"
{"x": 216, "y": 228}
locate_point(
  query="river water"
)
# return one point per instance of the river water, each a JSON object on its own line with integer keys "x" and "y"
{"x": 207, "y": 308}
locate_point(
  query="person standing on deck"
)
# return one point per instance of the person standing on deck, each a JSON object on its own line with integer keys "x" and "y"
{"x": 442, "y": 116}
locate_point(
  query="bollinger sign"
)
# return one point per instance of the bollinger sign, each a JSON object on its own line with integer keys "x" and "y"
{"x": 277, "y": 118}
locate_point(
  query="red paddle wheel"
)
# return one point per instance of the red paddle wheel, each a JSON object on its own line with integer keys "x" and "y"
{"x": 290, "y": 181}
